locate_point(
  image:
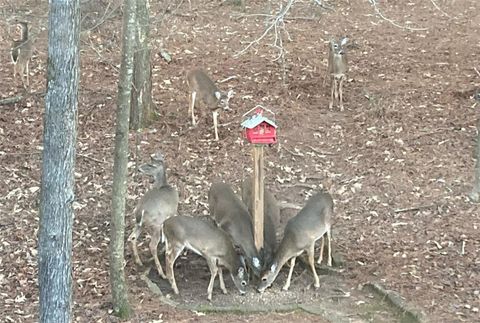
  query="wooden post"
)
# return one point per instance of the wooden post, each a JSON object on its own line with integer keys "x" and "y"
{"x": 257, "y": 192}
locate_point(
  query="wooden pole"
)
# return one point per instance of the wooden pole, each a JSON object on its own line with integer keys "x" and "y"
{"x": 257, "y": 192}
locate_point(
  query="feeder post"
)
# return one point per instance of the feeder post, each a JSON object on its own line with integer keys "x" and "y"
{"x": 258, "y": 192}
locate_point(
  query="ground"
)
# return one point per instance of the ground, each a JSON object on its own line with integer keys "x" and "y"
{"x": 400, "y": 155}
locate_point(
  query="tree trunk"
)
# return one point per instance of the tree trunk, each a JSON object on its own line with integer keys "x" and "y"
{"x": 141, "y": 108}
{"x": 121, "y": 306}
{"x": 475, "y": 194}
{"x": 58, "y": 183}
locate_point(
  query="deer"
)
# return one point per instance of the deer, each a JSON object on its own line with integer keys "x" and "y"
{"x": 21, "y": 52}
{"x": 301, "y": 232}
{"x": 158, "y": 204}
{"x": 271, "y": 218}
{"x": 200, "y": 85}
{"x": 230, "y": 214}
{"x": 337, "y": 69}
{"x": 207, "y": 240}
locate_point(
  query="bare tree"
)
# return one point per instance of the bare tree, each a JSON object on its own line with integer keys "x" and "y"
{"x": 121, "y": 305}
{"x": 141, "y": 106}
{"x": 60, "y": 135}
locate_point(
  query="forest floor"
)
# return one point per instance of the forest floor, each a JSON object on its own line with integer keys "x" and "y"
{"x": 400, "y": 154}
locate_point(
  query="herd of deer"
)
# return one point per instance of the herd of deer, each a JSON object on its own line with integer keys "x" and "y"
{"x": 229, "y": 227}
{"x": 199, "y": 83}
{"x": 232, "y": 227}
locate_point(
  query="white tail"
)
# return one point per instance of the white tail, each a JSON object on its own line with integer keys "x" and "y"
{"x": 208, "y": 241}
{"x": 21, "y": 53}
{"x": 201, "y": 86}
{"x": 301, "y": 233}
{"x": 271, "y": 218}
{"x": 157, "y": 205}
{"x": 337, "y": 69}
{"x": 232, "y": 216}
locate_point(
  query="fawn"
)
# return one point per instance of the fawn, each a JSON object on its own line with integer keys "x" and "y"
{"x": 201, "y": 86}
{"x": 302, "y": 231}
{"x": 157, "y": 205}
{"x": 337, "y": 69}
{"x": 21, "y": 53}
{"x": 208, "y": 241}
{"x": 271, "y": 218}
{"x": 230, "y": 214}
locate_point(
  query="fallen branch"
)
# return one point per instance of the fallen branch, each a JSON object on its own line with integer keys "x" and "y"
{"x": 12, "y": 100}
{"x": 287, "y": 205}
{"x": 415, "y": 208}
{"x": 379, "y": 13}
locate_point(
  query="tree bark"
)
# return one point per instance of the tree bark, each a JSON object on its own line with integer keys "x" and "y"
{"x": 121, "y": 305}
{"x": 475, "y": 194}
{"x": 60, "y": 135}
{"x": 141, "y": 108}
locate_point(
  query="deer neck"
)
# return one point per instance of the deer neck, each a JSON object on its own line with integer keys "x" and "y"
{"x": 160, "y": 179}
{"x": 24, "y": 32}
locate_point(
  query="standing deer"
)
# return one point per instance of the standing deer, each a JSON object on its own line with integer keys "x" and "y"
{"x": 208, "y": 241}
{"x": 230, "y": 214}
{"x": 302, "y": 231}
{"x": 157, "y": 205}
{"x": 21, "y": 53}
{"x": 201, "y": 86}
{"x": 337, "y": 69}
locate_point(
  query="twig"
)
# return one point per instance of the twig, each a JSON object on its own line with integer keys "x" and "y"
{"x": 475, "y": 69}
{"x": 227, "y": 79}
{"x": 294, "y": 153}
{"x": 310, "y": 187}
{"x": 287, "y": 205}
{"x": 92, "y": 158}
{"x": 320, "y": 152}
{"x": 439, "y": 9}
{"x": 379, "y": 13}
{"x": 12, "y": 100}
{"x": 415, "y": 208}
{"x": 275, "y": 22}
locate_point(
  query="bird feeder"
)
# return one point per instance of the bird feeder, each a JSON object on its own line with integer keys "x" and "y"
{"x": 258, "y": 128}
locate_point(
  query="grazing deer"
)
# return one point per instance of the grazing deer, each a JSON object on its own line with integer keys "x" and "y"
{"x": 230, "y": 214}
{"x": 301, "y": 233}
{"x": 21, "y": 53}
{"x": 201, "y": 86}
{"x": 157, "y": 205}
{"x": 208, "y": 241}
{"x": 337, "y": 69}
{"x": 271, "y": 218}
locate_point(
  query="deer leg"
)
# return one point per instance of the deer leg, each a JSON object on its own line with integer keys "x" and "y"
{"x": 340, "y": 90}
{"x": 329, "y": 236}
{"x": 311, "y": 261}
{"x": 222, "y": 283}
{"x": 192, "y": 106}
{"x": 133, "y": 239}
{"x": 332, "y": 90}
{"x": 172, "y": 254}
{"x": 290, "y": 272}
{"x": 215, "y": 124}
{"x": 213, "y": 271}
{"x": 322, "y": 246}
{"x": 156, "y": 236}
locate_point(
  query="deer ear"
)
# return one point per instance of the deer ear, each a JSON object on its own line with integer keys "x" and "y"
{"x": 218, "y": 95}
{"x": 344, "y": 41}
{"x": 230, "y": 94}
